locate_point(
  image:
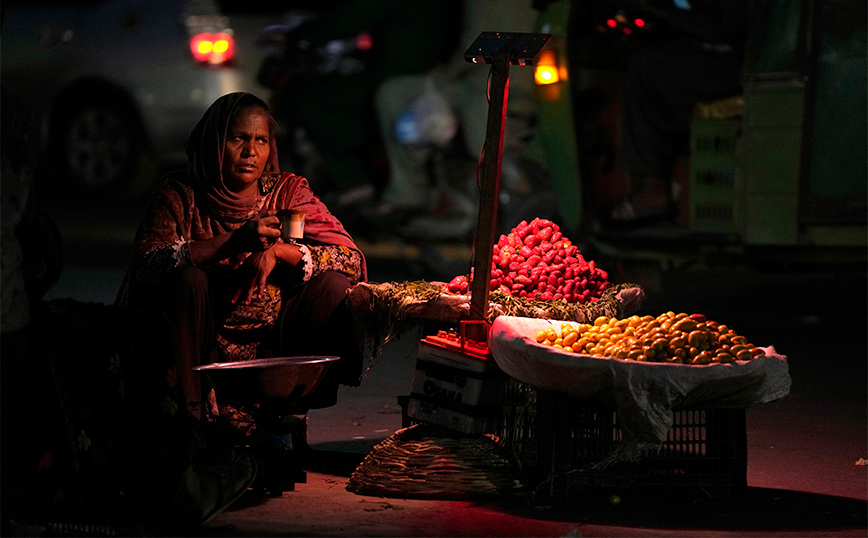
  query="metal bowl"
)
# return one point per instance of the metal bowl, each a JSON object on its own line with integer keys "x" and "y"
{"x": 260, "y": 380}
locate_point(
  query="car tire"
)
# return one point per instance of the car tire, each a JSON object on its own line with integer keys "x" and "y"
{"x": 98, "y": 147}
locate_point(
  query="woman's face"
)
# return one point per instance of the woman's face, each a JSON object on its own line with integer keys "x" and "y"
{"x": 246, "y": 151}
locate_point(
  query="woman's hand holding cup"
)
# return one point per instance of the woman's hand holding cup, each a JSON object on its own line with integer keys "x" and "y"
{"x": 259, "y": 233}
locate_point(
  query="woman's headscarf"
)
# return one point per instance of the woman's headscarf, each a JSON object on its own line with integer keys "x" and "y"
{"x": 205, "y": 154}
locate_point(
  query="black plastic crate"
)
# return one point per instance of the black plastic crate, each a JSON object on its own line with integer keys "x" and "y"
{"x": 563, "y": 444}
{"x": 517, "y": 426}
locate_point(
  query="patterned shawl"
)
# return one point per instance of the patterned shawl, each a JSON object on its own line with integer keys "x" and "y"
{"x": 205, "y": 174}
{"x": 195, "y": 204}
{"x": 205, "y": 153}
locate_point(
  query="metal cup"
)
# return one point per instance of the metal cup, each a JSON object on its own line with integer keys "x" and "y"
{"x": 291, "y": 224}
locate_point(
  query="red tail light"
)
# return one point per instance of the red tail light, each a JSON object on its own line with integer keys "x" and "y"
{"x": 364, "y": 41}
{"x": 212, "y": 48}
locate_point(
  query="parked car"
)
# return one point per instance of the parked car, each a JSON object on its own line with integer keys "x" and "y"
{"x": 117, "y": 85}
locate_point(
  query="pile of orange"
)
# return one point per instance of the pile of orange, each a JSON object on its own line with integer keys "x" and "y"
{"x": 670, "y": 337}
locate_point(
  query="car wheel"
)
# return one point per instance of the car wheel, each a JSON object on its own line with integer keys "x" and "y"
{"x": 98, "y": 147}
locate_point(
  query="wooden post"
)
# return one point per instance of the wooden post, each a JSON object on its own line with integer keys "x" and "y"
{"x": 498, "y": 91}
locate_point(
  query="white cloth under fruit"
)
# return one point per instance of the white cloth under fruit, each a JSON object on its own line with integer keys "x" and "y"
{"x": 643, "y": 394}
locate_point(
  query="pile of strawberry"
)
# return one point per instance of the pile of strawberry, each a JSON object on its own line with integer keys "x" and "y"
{"x": 536, "y": 262}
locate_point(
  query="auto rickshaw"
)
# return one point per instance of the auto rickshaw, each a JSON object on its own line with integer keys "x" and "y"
{"x": 774, "y": 173}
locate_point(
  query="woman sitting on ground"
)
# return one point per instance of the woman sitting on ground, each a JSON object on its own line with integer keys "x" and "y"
{"x": 209, "y": 254}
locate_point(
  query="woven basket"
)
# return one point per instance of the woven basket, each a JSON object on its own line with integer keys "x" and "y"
{"x": 430, "y": 462}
